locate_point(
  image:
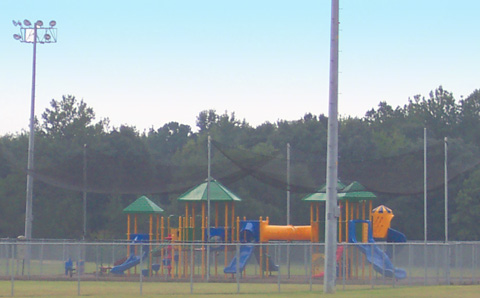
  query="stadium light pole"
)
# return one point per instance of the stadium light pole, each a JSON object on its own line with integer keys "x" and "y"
{"x": 33, "y": 33}
{"x": 84, "y": 191}
{"x": 331, "y": 210}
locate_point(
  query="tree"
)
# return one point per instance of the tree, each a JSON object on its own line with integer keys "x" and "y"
{"x": 205, "y": 119}
{"x": 467, "y": 209}
{"x": 470, "y": 117}
{"x": 70, "y": 119}
{"x": 168, "y": 139}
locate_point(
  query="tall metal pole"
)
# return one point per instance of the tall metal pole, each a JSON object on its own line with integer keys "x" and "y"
{"x": 31, "y": 145}
{"x": 288, "y": 184}
{"x": 208, "y": 204}
{"x": 446, "y": 189}
{"x": 332, "y": 158}
{"x": 425, "y": 184}
{"x": 84, "y": 191}
{"x": 29, "y": 34}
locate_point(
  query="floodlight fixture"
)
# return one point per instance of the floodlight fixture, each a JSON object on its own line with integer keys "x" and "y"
{"x": 17, "y": 37}
{"x": 27, "y": 22}
{"x": 15, "y": 23}
{"x": 47, "y": 36}
{"x": 52, "y": 23}
{"x": 39, "y": 23}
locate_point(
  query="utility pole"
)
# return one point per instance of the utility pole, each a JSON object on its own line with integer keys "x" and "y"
{"x": 331, "y": 211}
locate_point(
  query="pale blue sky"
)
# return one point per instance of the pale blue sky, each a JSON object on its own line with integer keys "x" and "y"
{"x": 146, "y": 63}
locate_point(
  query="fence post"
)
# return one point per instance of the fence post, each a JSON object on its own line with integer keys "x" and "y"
{"x": 192, "y": 267}
{"x": 305, "y": 260}
{"x": 79, "y": 249}
{"x": 373, "y": 273}
{"x": 460, "y": 250}
{"x": 410, "y": 264}
{"x": 288, "y": 260}
{"x": 437, "y": 267}
{"x": 310, "y": 267}
{"x": 394, "y": 263}
{"x": 473, "y": 263}
{"x": 279, "y": 248}
{"x": 237, "y": 265}
{"x": 41, "y": 258}
{"x": 64, "y": 257}
{"x": 13, "y": 271}
{"x": 447, "y": 260}
{"x": 425, "y": 264}
{"x": 113, "y": 254}
{"x": 141, "y": 270}
{"x": 96, "y": 262}
{"x": 383, "y": 265}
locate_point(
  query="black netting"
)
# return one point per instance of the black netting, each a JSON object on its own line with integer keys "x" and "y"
{"x": 111, "y": 172}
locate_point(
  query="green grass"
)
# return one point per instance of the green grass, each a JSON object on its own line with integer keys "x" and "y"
{"x": 173, "y": 289}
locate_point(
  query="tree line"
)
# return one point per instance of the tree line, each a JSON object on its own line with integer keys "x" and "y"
{"x": 124, "y": 163}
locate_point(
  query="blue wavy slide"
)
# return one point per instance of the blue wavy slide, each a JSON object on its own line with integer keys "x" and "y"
{"x": 377, "y": 257}
{"x": 132, "y": 261}
{"x": 245, "y": 254}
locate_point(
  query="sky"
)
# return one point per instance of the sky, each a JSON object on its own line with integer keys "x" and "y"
{"x": 146, "y": 63}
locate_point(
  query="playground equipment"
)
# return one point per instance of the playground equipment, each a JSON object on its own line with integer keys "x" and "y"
{"x": 377, "y": 257}
{"x": 234, "y": 230}
{"x": 142, "y": 205}
{"x": 353, "y": 200}
{"x": 176, "y": 250}
{"x": 261, "y": 231}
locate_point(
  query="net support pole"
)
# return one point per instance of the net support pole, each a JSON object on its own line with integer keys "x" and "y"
{"x": 332, "y": 158}
{"x": 208, "y": 206}
{"x": 425, "y": 184}
{"x": 446, "y": 189}
{"x": 288, "y": 184}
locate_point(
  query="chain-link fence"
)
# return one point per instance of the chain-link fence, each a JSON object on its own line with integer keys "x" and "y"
{"x": 236, "y": 267}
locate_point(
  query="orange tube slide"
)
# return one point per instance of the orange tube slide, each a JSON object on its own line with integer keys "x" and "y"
{"x": 287, "y": 233}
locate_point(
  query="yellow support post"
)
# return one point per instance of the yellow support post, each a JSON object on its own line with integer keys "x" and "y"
{"x": 233, "y": 222}
{"x": 311, "y": 213}
{"x": 135, "y": 232}
{"x": 238, "y": 229}
{"x": 266, "y": 254}
{"x": 226, "y": 235}
{"x": 193, "y": 215}
{"x": 347, "y": 253}
{"x": 340, "y": 224}
{"x": 161, "y": 240}
{"x": 151, "y": 238}
{"x": 180, "y": 237}
{"x": 128, "y": 238}
{"x": 357, "y": 257}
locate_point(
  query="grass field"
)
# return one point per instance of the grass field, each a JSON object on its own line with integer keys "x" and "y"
{"x": 130, "y": 289}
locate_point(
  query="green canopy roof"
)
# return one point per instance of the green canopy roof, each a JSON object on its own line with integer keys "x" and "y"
{"x": 353, "y": 192}
{"x": 354, "y": 187}
{"x": 340, "y": 186}
{"x": 357, "y": 196}
{"x": 218, "y": 192}
{"x": 143, "y": 205}
{"x": 320, "y": 195}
